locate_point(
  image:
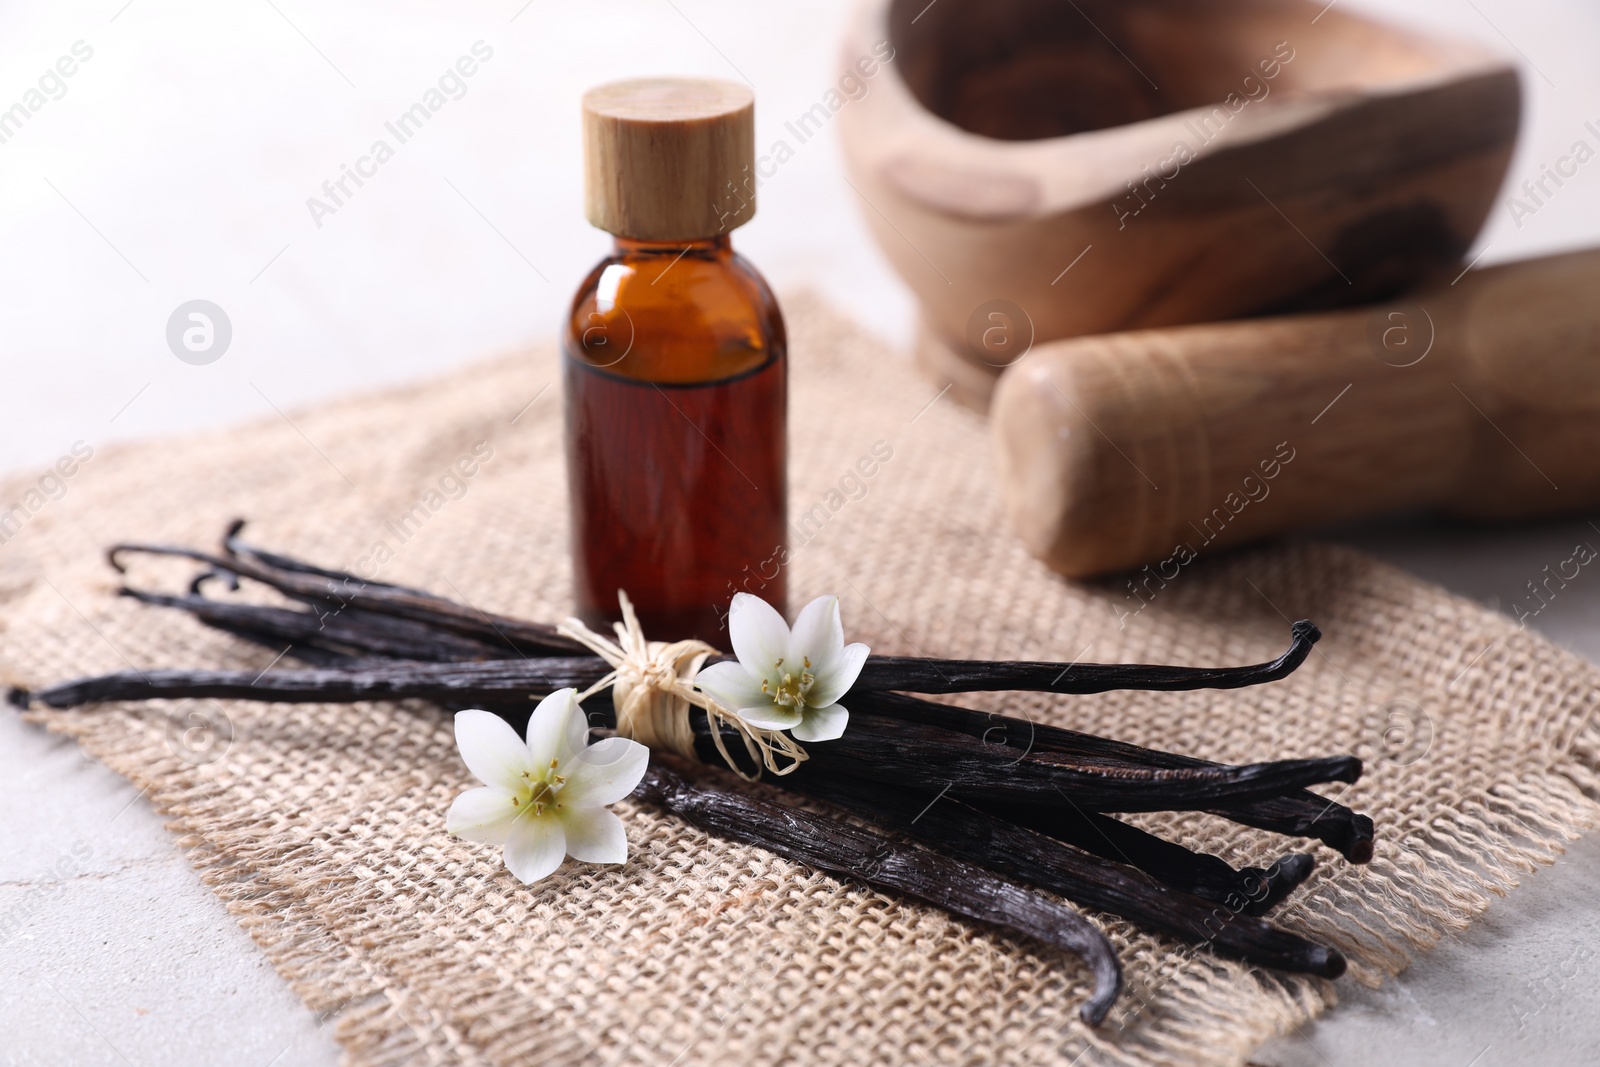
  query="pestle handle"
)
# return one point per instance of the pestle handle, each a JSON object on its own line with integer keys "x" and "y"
{"x": 1480, "y": 398}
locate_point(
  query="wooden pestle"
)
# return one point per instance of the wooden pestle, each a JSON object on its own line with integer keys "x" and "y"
{"x": 1480, "y": 398}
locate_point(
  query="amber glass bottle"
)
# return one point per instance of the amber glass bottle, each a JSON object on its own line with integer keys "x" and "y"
{"x": 674, "y": 369}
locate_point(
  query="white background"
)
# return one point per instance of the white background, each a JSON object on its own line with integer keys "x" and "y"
{"x": 177, "y": 166}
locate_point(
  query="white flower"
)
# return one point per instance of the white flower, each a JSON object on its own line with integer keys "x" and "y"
{"x": 545, "y": 799}
{"x": 786, "y": 680}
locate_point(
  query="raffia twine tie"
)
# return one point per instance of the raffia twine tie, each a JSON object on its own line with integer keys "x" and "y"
{"x": 652, "y": 692}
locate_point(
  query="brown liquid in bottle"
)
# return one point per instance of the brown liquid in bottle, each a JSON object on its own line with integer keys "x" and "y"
{"x": 676, "y": 381}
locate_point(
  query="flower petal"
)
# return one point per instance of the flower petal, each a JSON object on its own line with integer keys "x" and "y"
{"x": 730, "y": 685}
{"x": 836, "y": 681}
{"x": 484, "y": 814}
{"x": 491, "y": 749}
{"x": 818, "y": 634}
{"x": 770, "y": 717}
{"x": 536, "y": 847}
{"x": 760, "y": 638}
{"x": 594, "y": 835}
{"x": 577, "y": 738}
{"x": 822, "y": 724}
{"x": 603, "y": 773}
{"x": 553, "y": 728}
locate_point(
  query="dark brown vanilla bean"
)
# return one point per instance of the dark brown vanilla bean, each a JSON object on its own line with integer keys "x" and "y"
{"x": 852, "y": 851}
{"x": 1302, "y": 813}
{"x": 492, "y": 682}
{"x": 1199, "y": 873}
{"x": 958, "y": 829}
{"x": 351, "y": 631}
{"x": 911, "y": 754}
{"x": 321, "y": 637}
{"x": 334, "y": 594}
{"x": 907, "y": 674}
{"x": 916, "y": 675}
{"x": 915, "y": 755}
{"x": 235, "y": 545}
{"x": 1297, "y": 813}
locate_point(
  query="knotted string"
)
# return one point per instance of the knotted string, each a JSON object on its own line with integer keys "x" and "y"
{"x": 652, "y": 693}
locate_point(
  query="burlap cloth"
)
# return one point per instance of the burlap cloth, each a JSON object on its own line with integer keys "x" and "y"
{"x": 322, "y": 827}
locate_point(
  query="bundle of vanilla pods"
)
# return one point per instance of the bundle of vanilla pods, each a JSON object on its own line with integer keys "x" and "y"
{"x": 974, "y": 810}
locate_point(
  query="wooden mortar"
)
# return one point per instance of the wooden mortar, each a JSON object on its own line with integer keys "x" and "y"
{"x": 1118, "y": 164}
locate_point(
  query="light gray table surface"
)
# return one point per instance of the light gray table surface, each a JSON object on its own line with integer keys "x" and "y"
{"x": 176, "y": 164}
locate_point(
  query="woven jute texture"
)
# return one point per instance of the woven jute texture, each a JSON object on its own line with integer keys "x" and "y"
{"x": 322, "y": 827}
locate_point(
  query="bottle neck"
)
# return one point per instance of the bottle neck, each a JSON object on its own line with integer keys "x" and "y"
{"x": 627, "y": 246}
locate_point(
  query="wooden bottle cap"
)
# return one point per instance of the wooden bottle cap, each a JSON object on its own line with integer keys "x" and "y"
{"x": 669, "y": 159}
